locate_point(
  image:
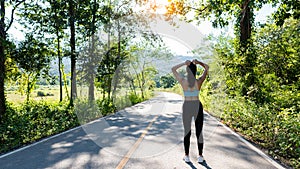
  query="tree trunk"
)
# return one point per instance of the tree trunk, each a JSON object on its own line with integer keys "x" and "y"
{"x": 73, "y": 51}
{"x": 28, "y": 89}
{"x": 65, "y": 81}
{"x": 246, "y": 46}
{"x": 92, "y": 56}
{"x": 92, "y": 88}
{"x": 57, "y": 27}
{"x": 116, "y": 76}
{"x": 2, "y": 77}
{"x": 91, "y": 72}
{"x": 59, "y": 67}
{"x": 143, "y": 84}
{"x": 2, "y": 59}
{"x": 245, "y": 24}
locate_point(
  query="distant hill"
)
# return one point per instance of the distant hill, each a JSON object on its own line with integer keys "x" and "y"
{"x": 163, "y": 66}
{"x": 54, "y": 66}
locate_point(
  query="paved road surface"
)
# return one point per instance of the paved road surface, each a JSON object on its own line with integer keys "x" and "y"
{"x": 147, "y": 135}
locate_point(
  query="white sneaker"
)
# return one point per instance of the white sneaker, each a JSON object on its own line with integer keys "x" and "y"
{"x": 200, "y": 159}
{"x": 186, "y": 159}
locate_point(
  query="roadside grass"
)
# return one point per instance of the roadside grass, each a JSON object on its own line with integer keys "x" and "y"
{"x": 16, "y": 97}
{"x": 27, "y": 122}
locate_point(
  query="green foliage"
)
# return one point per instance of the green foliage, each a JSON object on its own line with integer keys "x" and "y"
{"x": 287, "y": 9}
{"x": 134, "y": 98}
{"x": 140, "y": 65}
{"x": 33, "y": 58}
{"x": 275, "y": 130}
{"x": 167, "y": 81}
{"x": 12, "y": 70}
{"x": 41, "y": 94}
{"x": 269, "y": 112}
{"x": 110, "y": 66}
{"x": 87, "y": 110}
{"x": 278, "y": 51}
{"x": 29, "y": 122}
{"x": 106, "y": 106}
{"x": 32, "y": 55}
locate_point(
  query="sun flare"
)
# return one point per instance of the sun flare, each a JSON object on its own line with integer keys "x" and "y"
{"x": 159, "y": 6}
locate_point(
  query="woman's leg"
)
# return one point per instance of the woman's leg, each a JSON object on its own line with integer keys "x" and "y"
{"x": 199, "y": 126}
{"x": 187, "y": 119}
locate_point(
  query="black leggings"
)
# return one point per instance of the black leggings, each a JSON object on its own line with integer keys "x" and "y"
{"x": 192, "y": 109}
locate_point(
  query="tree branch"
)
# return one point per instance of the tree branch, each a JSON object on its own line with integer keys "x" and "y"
{"x": 244, "y": 9}
{"x": 12, "y": 14}
{"x": 196, "y": 9}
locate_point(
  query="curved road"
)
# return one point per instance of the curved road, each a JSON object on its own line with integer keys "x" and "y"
{"x": 147, "y": 135}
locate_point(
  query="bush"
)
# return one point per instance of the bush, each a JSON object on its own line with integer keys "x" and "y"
{"x": 277, "y": 131}
{"x": 41, "y": 93}
{"x": 106, "y": 106}
{"x": 86, "y": 110}
{"x": 134, "y": 99}
{"x": 29, "y": 122}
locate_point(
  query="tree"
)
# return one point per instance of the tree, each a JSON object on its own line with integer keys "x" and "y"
{"x": 4, "y": 27}
{"x": 142, "y": 61}
{"x": 118, "y": 13}
{"x": 57, "y": 8}
{"x": 220, "y": 12}
{"x": 72, "y": 20}
{"x": 287, "y": 9}
{"x": 122, "y": 26}
{"x": 107, "y": 68}
{"x": 78, "y": 15}
{"x": 32, "y": 57}
{"x": 90, "y": 55}
{"x": 47, "y": 17}
{"x": 167, "y": 81}
{"x": 278, "y": 56}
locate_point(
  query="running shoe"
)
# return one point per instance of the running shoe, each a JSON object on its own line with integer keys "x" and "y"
{"x": 200, "y": 159}
{"x": 186, "y": 159}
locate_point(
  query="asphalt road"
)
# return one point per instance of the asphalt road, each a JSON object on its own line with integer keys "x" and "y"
{"x": 147, "y": 135}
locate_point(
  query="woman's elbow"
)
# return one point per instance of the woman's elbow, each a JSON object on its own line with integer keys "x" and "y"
{"x": 206, "y": 66}
{"x": 173, "y": 69}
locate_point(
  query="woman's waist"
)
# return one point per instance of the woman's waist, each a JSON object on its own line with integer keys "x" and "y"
{"x": 189, "y": 98}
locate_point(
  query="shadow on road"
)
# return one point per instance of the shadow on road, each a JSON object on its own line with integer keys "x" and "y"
{"x": 205, "y": 165}
{"x": 58, "y": 152}
{"x": 191, "y": 165}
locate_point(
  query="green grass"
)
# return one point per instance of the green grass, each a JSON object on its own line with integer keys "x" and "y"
{"x": 16, "y": 97}
{"x": 27, "y": 122}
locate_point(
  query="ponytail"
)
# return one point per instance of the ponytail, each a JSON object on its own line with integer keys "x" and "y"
{"x": 191, "y": 74}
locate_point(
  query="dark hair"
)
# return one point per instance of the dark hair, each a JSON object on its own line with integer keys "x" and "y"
{"x": 191, "y": 74}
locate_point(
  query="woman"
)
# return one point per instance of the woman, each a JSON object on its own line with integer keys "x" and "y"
{"x": 192, "y": 106}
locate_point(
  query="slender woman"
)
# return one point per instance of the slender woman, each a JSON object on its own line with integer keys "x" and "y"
{"x": 192, "y": 107}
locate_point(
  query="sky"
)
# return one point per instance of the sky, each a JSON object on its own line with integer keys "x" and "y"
{"x": 177, "y": 45}
{"x": 206, "y": 29}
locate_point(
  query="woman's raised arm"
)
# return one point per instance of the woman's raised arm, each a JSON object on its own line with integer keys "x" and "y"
{"x": 176, "y": 74}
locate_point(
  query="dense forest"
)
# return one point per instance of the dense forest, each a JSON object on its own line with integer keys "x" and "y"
{"x": 104, "y": 53}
